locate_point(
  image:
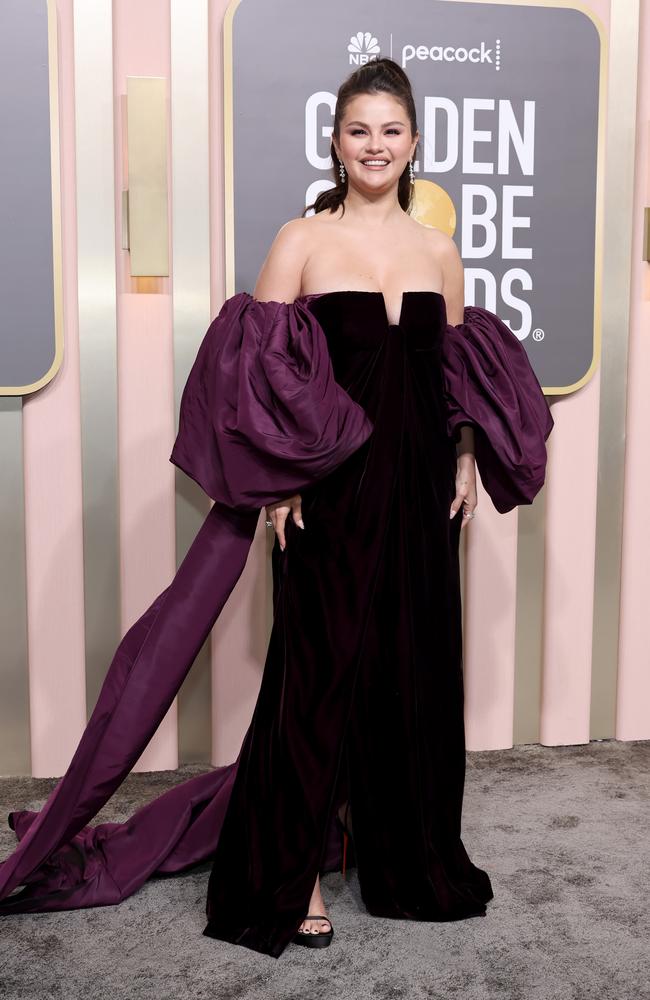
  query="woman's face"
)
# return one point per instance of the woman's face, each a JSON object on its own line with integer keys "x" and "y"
{"x": 375, "y": 126}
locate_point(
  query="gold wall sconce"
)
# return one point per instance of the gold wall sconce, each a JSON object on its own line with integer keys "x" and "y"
{"x": 145, "y": 228}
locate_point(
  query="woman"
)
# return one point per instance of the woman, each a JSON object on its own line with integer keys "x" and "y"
{"x": 361, "y": 238}
{"x": 350, "y": 396}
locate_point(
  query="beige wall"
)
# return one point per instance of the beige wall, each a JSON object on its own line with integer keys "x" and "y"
{"x": 544, "y": 658}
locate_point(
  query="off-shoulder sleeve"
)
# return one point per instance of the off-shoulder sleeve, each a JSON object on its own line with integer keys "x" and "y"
{"x": 261, "y": 414}
{"x": 491, "y": 385}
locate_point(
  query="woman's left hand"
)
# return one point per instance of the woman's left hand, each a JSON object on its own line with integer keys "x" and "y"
{"x": 465, "y": 488}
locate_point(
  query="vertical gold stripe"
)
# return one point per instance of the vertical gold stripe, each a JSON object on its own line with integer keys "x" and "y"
{"x": 615, "y": 245}
{"x": 229, "y": 151}
{"x": 55, "y": 167}
{"x": 93, "y": 56}
{"x": 191, "y": 278}
{"x": 15, "y": 754}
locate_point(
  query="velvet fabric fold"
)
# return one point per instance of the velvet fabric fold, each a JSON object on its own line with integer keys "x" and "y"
{"x": 321, "y": 396}
{"x": 260, "y": 391}
{"x": 490, "y": 384}
{"x": 261, "y": 414}
{"x": 361, "y": 698}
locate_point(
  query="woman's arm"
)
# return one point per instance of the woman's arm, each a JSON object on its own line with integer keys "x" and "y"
{"x": 453, "y": 289}
{"x": 280, "y": 280}
{"x": 280, "y": 277}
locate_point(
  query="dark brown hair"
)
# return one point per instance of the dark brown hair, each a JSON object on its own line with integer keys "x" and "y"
{"x": 381, "y": 75}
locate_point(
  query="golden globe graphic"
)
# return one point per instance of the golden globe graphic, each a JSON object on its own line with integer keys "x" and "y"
{"x": 433, "y": 206}
{"x": 509, "y": 161}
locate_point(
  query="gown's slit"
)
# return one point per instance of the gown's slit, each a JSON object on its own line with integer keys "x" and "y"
{"x": 405, "y": 527}
{"x": 296, "y": 571}
{"x": 343, "y": 749}
{"x": 344, "y": 740}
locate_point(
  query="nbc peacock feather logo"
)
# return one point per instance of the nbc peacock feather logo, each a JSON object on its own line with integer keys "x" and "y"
{"x": 362, "y": 48}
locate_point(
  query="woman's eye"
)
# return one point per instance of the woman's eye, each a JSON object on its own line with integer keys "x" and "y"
{"x": 356, "y": 131}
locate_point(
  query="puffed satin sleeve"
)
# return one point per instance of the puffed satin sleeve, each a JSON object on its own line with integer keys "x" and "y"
{"x": 261, "y": 415}
{"x": 490, "y": 384}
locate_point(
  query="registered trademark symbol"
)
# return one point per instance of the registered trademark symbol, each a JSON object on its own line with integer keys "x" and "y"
{"x": 538, "y": 333}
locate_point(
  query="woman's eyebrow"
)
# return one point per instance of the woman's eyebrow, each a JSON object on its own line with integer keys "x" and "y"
{"x": 365, "y": 124}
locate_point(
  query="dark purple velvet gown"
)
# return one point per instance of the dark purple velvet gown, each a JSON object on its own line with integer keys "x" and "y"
{"x": 362, "y": 692}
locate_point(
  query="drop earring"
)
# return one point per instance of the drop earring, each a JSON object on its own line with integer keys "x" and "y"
{"x": 342, "y": 172}
{"x": 411, "y": 172}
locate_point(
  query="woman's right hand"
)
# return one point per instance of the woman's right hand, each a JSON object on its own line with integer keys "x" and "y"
{"x": 278, "y": 513}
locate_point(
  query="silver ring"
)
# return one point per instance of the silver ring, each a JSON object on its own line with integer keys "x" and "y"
{"x": 269, "y": 524}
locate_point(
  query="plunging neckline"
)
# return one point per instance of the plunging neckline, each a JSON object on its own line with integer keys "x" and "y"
{"x": 358, "y": 291}
{"x": 373, "y": 291}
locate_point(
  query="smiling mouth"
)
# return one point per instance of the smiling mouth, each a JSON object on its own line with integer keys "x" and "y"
{"x": 375, "y": 163}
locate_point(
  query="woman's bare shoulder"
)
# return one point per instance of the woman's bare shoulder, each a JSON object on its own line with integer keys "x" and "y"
{"x": 280, "y": 277}
{"x": 440, "y": 242}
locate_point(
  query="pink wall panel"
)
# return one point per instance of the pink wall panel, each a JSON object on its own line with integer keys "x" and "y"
{"x": 53, "y": 497}
{"x": 240, "y": 638}
{"x": 571, "y": 494}
{"x": 141, "y": 46}
{"x": 53, "y": 500}
{"x": 489, "y": 626}
{"x": 569, "y": 578}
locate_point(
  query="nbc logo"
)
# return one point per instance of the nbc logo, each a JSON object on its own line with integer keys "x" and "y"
{"x": 362, "y": 48}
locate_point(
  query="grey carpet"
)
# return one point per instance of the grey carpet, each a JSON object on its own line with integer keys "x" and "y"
{"x": 562, "y": 832}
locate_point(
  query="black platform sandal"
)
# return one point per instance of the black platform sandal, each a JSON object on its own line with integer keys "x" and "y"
{"x": 322, "y": 939}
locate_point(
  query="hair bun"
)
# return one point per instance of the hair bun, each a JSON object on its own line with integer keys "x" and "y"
{"x": 389, "y": 65}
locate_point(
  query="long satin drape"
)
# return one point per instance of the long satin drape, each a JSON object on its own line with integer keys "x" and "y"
{"x": 263, "y": 416}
